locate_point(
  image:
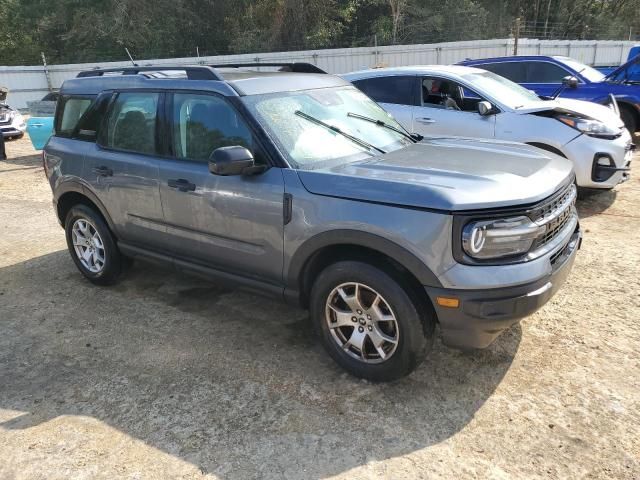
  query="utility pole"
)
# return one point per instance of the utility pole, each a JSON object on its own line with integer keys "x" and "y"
{"x": 516, "y": 36}
{"x": 46, "y": 71}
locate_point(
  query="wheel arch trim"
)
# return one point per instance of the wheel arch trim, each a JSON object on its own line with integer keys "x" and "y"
{"x": 78, "y": 188}
{"x": 354, "y": 238}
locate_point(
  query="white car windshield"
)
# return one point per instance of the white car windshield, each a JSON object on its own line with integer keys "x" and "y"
{"x": 306, "y": 126}
{"x": 586, "y": 71}
{"x": 505, "y": 91}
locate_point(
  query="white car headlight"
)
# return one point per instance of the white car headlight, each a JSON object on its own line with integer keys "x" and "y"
{"x": 594, "y": 128}
{"x": 503, "y": 237}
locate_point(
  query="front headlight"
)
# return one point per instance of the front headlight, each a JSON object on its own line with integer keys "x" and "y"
{"x": 486, "y": 239}
{"x": 594, "y": 128}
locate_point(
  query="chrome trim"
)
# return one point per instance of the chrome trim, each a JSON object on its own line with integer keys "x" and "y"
{"x": 559, "y": 241}
{"x": 570, "y": 199}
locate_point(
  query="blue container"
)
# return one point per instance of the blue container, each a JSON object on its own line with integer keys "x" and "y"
{"x": 39, "y": 130}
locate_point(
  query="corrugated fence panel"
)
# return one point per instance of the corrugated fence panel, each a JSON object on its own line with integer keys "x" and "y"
{"x": 30, "y": 83}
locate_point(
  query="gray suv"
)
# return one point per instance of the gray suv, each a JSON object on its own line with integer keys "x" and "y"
{"x": 295, "y": 183}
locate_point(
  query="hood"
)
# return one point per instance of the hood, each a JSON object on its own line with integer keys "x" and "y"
{"x": 612, "y": 75}
{"x": 447, "y": 174}
{"x": 580, "y": 108}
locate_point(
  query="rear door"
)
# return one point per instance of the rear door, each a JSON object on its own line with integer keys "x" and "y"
{"x": 121, "y": 167}
{"x": 397, "y": 94}
{"x": 447, "y": 108}
{"x": 231, "y": 223}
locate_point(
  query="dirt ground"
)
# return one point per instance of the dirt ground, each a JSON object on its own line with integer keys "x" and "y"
{"x": 167, "y": 376}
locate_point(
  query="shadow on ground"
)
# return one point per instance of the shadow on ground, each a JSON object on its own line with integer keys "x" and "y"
{"x": 231, "y": 382}
{"x": 593, "y": 202}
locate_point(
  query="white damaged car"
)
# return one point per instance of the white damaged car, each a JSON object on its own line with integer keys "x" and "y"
{"x": 469, "y": 102}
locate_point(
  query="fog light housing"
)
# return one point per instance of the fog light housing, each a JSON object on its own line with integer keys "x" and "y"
{"x": 603, "y": 167}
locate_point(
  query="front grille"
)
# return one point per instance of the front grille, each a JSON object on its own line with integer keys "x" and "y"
{"x": 555, "y": 214}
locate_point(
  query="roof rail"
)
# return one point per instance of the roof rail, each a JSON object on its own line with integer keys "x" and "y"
{"x": 296, "y": 67}
{"x": 194, "y": 72}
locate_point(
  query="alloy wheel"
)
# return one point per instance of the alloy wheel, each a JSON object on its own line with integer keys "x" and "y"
{"x": 362, "y": 322}
{"x": 88, "y": 245}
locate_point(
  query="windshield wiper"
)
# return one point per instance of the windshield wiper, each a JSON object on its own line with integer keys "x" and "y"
{"x": 414, "y": 138}
{"x": 355, "y": 140}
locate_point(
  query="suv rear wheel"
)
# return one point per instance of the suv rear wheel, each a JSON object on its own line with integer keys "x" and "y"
{"x": 368, "y": 321}
{"x": 92, "y": 246}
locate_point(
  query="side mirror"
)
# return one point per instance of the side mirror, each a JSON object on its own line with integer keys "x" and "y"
{"x": 569, "y": 81}
{"x": 485, "y": 108}
{"x": 235, "y": 160}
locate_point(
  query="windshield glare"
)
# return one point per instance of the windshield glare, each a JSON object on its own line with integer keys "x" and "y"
{"x": 586, "y": 71}
{"x": 503, "y": 90}
{"x": 308, "y": 145}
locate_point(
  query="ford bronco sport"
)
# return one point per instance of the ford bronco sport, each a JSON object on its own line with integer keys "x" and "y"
{"x": 297, "y": 184}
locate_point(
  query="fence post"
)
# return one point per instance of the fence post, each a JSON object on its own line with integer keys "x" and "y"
{"x": 46, "y": 71}
{"x": 595, "y": 53}
{"x": 516, "y": 37}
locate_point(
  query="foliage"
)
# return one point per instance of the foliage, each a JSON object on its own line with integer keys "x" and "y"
{"x": 99, "y": 30}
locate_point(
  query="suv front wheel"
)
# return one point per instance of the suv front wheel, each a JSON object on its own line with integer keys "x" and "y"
{"x": 369, "y": 322}
{"x": 92, "y": 246}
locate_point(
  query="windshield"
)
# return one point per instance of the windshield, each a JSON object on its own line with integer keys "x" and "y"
{"x": 501, "y": 89}
{"x": 288, "y": 118}
{"x": 586, "y": 71}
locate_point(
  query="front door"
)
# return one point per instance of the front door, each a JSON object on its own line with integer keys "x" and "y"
{"x": 447, "y": 108}
{"x": 231, "y": 223}
{"x": 545, "y": 78}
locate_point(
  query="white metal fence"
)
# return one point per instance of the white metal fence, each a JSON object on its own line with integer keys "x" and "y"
{"x": 31, "y": 83}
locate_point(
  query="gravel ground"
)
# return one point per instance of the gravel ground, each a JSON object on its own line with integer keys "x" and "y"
{"x": 167, "y": 376}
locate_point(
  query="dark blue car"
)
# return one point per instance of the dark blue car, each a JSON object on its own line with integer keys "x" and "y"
{"x": 545, "y": 75}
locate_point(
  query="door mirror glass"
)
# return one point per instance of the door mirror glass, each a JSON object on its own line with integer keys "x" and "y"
{"x": 485, "y": 108}
{"x": 234, "y": 160}
{"x": 569, "y": 81}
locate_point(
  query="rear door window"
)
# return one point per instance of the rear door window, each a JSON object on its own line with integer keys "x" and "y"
{"x": 514, "y": 71}
{"x": 397, "y": 89}
{"x": 131, "y": 125}
{"x": 70, "y": 110}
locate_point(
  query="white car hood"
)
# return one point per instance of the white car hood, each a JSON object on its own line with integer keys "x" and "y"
{"x": 585, "y": 109}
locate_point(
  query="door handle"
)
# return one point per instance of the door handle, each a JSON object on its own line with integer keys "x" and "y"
{"x": 103, "y": 171}
{"x": 182, "y": 185}
{"x": 37, "y": 125}
{"x": 425, "y": 120}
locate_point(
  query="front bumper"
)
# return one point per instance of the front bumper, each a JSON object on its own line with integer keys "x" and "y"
{"x": 615, "y": 156}
{"x": 482, "y": 315}
{"x": 12, "y": 131}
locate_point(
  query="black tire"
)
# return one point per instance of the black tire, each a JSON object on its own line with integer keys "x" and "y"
{"x": 113, "y": 260}
{"x": 415, "y": 321}
{"x": 629, "y": 118}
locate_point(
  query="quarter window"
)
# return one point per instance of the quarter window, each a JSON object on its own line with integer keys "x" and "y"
{"x": 394, "y": 89}
{"x": 203, "y": 123}
{"x": 71, "y": 108}
{"x": 132, "y": 122}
